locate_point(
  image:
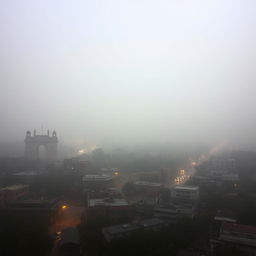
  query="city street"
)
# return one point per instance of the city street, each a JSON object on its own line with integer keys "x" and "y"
{"x": 69, "y": 215}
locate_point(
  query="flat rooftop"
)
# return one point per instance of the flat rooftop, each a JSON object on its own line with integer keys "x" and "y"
{"x": 147, "y": 183}
{"x": 35, "y": 203}
{"x": 14, "y": 187}
{"x": 231, "y": 177}
{"x": 32, "y": 173}
{"x": 238, "y": 234}
{"x": 97, "y": 177}
{"x": 239, "y": 228}
{"x": 112, "y": 230}
{"x": 226, "y": 215}
{"x": 195, "y": 188}
{"x": 69, "y": 236}
{"x": 107, "y": 202}
{"x": 117, "y": 229}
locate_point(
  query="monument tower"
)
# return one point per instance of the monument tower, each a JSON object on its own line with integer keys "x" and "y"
{"x": 33, "y": 142}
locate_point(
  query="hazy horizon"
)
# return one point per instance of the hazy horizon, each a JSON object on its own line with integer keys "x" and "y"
{"x": 127, "y": 73}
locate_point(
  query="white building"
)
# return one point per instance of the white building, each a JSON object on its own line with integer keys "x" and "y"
{"x": 185, "y": 192}
{"x": 183, "y": 203}
{"x": 97, "y": 181}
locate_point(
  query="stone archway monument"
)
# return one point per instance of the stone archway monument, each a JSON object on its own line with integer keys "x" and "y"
{"x": 33, "y": 142}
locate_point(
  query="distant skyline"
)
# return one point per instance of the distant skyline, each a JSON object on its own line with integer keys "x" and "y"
{"x": 129, "y": 72}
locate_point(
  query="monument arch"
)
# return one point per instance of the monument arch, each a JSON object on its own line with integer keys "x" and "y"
{"x": 33, "y": 142}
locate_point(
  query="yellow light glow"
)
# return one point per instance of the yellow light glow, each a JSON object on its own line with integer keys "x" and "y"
{"x": 81, "y": 151}
{"x": 64, "y": 207}
{"x": 116, "y": 173}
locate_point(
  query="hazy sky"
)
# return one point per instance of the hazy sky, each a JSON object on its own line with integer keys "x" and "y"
{"x": 129, "y": 71}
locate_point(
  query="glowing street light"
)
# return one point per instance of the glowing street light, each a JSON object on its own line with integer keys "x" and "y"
{"x": 182, "y": 172}
{"x": 81, "y": 151}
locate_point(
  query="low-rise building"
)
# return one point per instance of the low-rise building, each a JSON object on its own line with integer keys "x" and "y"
{"x": 148, "y": 184}
{"x": 237, "y": 236}
{"x": 113, "y": 208}
{"x": 126, "y": 230}
{"x": 231, "y": 181}
{"x": 148, "y": 188}
{"x": 97, "y": 181}
{"x": 225, "y": 216}
{"x": 77, "y": 164}
{"x": 29, "y": 210}
{"x": 69, "y": 244}
{"x": 25, "y": 177}
{"x": 11, "y": 193}
{"x": 183, "y": 202}
{"x": 185, "y": 193}
{"x": 206, "y": 184}
{"x": 222, "y": 216}
{"x": 175, "y": 210}
{"x": 186, "y": 208}
{"x": 219, "y": 166}
{"x": 145, "y": 207}
{"x": 168, "y": 213}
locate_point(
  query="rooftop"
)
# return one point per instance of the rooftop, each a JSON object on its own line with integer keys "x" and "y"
{"x": 225, "y": 215}
{"x": 32, "y": 173}
{"x": 69, "y": 236}
{"x": 132, "y": 226}
{"x": 231, "y": 177}
{"x": 238, "y": 228}
{"x": 14, "y": 187}
{"x": 150, "y": 222}
{"x": 36, "y": 203}
{"x": 120, "y": 229}
{"x": 194, "y": 188}
{"x": 107, "y": 202}
{"x": 147, "y": 183}
{"x": 239, "y": 234}
{"x": 97, "y": 177}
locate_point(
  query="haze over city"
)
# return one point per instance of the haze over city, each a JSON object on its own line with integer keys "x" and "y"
{"x": 128, "y": 128}
{"x": 126, "y": 73}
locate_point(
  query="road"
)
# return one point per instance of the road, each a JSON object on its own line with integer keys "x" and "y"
{"x": 69, "y": 216}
